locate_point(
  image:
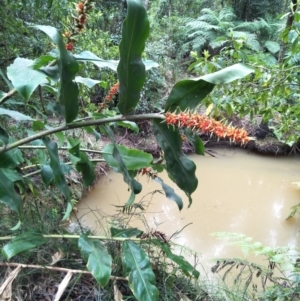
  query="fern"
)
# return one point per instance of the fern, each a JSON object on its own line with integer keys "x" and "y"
{"x": 272, "y": 46}
{"x": 278, "y": 255}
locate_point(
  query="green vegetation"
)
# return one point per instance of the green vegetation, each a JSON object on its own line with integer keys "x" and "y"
{"x": 68, "y": 72}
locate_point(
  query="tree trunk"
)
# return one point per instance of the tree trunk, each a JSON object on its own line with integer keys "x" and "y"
{"x": 288, "y": 25}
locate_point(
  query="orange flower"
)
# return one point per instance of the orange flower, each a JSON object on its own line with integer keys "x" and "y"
{"x": 148, "y": 171}
{"x": 79, "y": 6}
{"x": 70, "y": 46}
{"x": 112, "y": 92}
{"x": 207, "y": 125}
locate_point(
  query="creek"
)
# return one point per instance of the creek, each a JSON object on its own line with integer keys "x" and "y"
{"x": 237, "y": 192}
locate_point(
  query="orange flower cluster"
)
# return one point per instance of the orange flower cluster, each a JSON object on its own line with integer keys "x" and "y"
{"x": 82, "y": 8}
{"x": 109, "y": 97}
{"x": 148, "y": 171}
{"x": 112, "y": 92}
{"x": 207, "y": 125}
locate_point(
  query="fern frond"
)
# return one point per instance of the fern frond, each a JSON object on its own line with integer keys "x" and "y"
{"x": 196, "y": 25}
{"x": 252, "y": 42}
{"x": 268, "y": 59}
{"x": 272, "y": 46}
{"x": 198, "y": 42}
{"x": 227, "y": 14}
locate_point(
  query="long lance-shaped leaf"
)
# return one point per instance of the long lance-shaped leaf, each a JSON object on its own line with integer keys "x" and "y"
{"x": 24, "y": 78}
{"x": 138, "y": 267}
{"x": 179, "y": 167}
{"x": 188, "y": 94}
{"x": 170, "y": 193}
{"x": 98, "y": 259}
{"x": 131, "y": 70}
{"x": 68, "y": 68}
{"x": 135, "y": 186}
{"x": 23, "y": 242}
{"x": 8, "y": 195}
{"x": 128, "y": 176}
{"x": 82, "y": 163}
{"x": 58, "y": 174}
{"x": 184, "y": 265}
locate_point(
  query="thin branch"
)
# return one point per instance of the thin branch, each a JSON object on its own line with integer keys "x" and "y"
{"x": 64, "y": 270}
{"x": 38, "y": 171}
{"x": 60, "y": 148}
{"x": 71, "y": 236}
{"x": 80, "y": 125}
{"x": 7, "y": 96}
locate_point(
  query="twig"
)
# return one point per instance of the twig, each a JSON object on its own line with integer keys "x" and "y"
{"x": 60, "y": 148}
{"x": 8, "y": 95}
{"x": 38, "y": 171}
{"x": 79, "y": 125}
{"x": 46, "y": 267}
{"x": 78, "y": 236}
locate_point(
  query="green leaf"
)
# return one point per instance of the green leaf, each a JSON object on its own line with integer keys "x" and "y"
{"x": 138, "y": 268}
{"x": 47, "y": 174}
{"x": 8, "y": 195}
{"x": 68, "y": 211}
{"x": 38, "y": 125}
{"x": 42, "y": 61}
{"x": 180, "y": 168}
{"x": 129, "y": 232}
{"x": 59, "y": 178}
{"x": 133, "y": 159}
{"x": 89, "y": 82}
{"x": 135, "y": 186}
{"x": 61, "y": 138}
{"x": 91, "y": 130}
{"x": 87, "y": 56}
{"x": 12, "y": 174}
{"x": 15, "y": 115}
{"x": 228, "y": 74}
{"x": 3, "y": 135}
{"x": 53, "y": 73}
{"x": 83, "y": 164}
{"x": 23, "y": 242}
{"x": 170, "y": 193}
{"x": 131, "y": 69}
{"x": 24, "y": 78}
{"x": 129, "y": 125}
{"x": 98, "y": 259}
{"x": 184, "y": 265}
{"x": 188, "y": 94}
{"x": 196, "y": 141}
{"x": 11, "y": 158}
{"x": 68, "y": 68}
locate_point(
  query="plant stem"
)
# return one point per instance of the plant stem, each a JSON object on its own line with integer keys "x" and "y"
{"x": 7, "y": 96}
{"x": 80, "y": 125}
{"x": 59, "y": 148}
{"x": 38, "y": 171}
{"x": 64, "y": 270}
{"x": 71, "y": 236}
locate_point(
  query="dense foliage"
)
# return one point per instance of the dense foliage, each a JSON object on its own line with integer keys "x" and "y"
{"x": 88, "y": 66}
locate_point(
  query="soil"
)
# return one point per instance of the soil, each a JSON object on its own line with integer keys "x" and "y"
{"x": 264, "y": 141}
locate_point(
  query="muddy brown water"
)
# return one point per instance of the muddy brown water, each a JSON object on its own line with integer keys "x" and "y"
{"x": 237, "y": 192}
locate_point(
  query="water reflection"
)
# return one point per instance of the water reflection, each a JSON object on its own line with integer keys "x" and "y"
{"x": 237, "y": 192}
